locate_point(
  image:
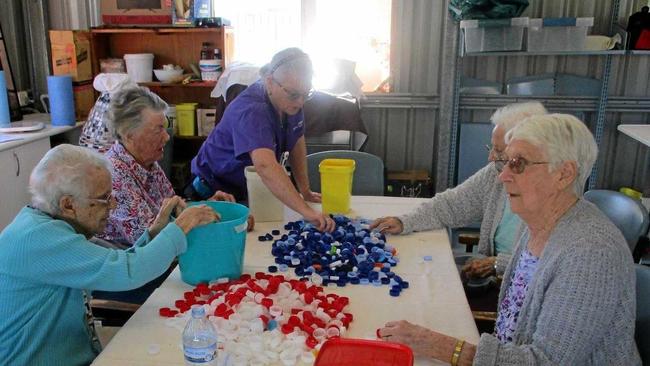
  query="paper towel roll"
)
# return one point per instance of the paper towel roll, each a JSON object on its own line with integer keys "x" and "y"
{"x": 5, "y": 116}
{"x": 59, "y": 89}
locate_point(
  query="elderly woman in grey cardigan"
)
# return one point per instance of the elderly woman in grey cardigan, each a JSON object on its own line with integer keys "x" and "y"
{"x": 568, "y": 294}
{"x": 480, "y": 198}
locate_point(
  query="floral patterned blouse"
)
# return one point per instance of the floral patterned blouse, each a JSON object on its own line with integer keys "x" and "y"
{"x": 139, "y": 193}
{"x": 514, "y": 296}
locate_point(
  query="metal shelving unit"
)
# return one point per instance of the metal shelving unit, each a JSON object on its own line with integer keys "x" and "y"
{"x": 488, "y": 101}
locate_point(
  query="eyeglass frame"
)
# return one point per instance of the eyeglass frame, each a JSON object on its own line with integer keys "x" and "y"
{"x": 294, "y": 95}
{"x": 500, "y": 164}
{"x": 107, "y": 200}
{"x": 490, "y": 148}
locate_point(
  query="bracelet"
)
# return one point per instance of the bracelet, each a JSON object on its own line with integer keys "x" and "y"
{"x": 456, "y": 355}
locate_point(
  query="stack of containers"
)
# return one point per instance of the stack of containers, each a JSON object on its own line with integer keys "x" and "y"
{"x": 558, "y": 34}
{"x": 492, "y": 35}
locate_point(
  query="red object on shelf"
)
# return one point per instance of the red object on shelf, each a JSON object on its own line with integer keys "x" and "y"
{"x": 643, "y": 43}
{"x": 363, "y": 352}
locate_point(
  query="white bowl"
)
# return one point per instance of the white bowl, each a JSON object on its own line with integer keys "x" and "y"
{"x": 169, "y": 76}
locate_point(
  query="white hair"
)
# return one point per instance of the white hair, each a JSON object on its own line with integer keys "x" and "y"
{"x": 63, "y": 171}
{"x": 510, "y": 115}
{"x": 289, "y": 61}
{"x": 562, "y": 137}
{"x": 126, "y": 107}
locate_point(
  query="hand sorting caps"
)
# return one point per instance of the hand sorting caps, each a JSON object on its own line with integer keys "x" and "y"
{"x": 351, "y": 254}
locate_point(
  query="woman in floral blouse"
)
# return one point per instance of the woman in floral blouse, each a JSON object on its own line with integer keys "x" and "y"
{"x": 137, "y": 119}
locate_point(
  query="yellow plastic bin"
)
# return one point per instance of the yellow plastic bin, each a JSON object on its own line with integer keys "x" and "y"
{"x": 336, "y": 184}
{"x": 186, "y": 118}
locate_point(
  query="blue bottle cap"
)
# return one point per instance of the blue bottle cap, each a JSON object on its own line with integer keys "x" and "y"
{"x": 356, "y": 280}
{"x": 275, "y": 232}
{"x": 364, "y": 281}
{"x": 385, "y": 281}
{"x": 394, "y": 293}
{"x": 404, "y": 284}
{"x": 273, "y": 269}
{"x": 261, "y": 238}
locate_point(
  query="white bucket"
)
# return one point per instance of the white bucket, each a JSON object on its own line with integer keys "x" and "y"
{"x": 264, "y": 206}
{"x": 139, "y": 66}
{"x": 210, "y": 69}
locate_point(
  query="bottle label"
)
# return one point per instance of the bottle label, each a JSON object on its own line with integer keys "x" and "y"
{"x": 200, "y": 355}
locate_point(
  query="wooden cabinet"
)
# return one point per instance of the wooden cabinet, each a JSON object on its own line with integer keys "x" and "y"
{"x": 17, "y": 164}
{"x": 179, "y": 46}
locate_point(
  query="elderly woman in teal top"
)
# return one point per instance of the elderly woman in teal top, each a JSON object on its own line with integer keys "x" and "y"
{"x": 480, "y": 198}
{"x": 47, "y": 262}
{"x": 568, "y": 294}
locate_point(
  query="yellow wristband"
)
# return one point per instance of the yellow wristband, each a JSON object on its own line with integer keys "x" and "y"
{"x": 456, "y": 355}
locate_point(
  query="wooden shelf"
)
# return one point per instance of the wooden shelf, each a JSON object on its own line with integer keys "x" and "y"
{"x": 194, "y": 84}
{"x": 159, "y": 30}
{"x": 558, "y": 53}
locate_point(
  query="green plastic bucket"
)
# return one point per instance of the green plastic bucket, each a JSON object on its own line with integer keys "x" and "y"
{"x": 216, "y": 250}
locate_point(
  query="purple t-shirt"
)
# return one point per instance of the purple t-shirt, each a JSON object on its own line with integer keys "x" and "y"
{"x": 250, "y": 122}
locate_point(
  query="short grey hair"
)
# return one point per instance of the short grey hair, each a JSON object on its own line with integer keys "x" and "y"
{"x": 510, "y": 115}
{"x": 126, "y": 107}
{"x": 289, "y": 61}
{"x": 562, "y": 137}
{"x": 63, "y": 171}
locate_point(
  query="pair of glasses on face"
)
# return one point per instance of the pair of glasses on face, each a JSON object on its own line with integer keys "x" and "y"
{"x": 498, "y": 154}
{"x": 517, "y": 165}
{"x": 106, "y": 200}
{"x": 294, "y": 95}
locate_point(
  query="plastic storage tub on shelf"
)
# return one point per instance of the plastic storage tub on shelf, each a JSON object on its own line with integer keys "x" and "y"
{"x": 553, "y": 84}
{"x": 490, "y": 35}
{"x": 558, "y": 34}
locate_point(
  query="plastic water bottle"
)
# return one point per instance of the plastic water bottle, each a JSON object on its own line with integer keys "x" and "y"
{"x": 199, "y": 340}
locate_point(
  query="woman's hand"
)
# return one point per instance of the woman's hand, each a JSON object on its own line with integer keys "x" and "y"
{"x": 479, "y": 268}
{"x": 388, "y": 225}
{"x": 173, "y": 204}
{"x": 222, "y": 196}
{"x": 310, "y": 196}
{"x": 195, "y": 216}
{"x": 420, "y": 339}
{"x": 321, "y": 221}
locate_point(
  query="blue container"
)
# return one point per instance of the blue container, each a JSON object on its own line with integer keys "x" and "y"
{"x": 5, "y": 116}
{"x": 216, "y": 250}
{"x": 59, "y": 89}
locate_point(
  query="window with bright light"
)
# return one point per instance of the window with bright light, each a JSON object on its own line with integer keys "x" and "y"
{"x": 328, "y": 30}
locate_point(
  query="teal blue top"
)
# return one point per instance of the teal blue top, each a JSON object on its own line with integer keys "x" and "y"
{"x": 504, "y": 236}
{"x": 44, "y": 267}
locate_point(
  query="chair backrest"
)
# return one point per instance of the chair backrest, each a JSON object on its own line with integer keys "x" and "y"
{"x": 642, "y": 328}
{"x": 363, "y": 352}
{"x": 368, "y": 179}
{"x": 627, "y": 214}
{"x": 472, "y": 154}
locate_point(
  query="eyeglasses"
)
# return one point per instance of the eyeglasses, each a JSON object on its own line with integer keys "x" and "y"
{"x": 106, "y": 200}
{"x": 498, "y": 154}
{"x": 294, "y": 95}
{"x": 517, "y": 165}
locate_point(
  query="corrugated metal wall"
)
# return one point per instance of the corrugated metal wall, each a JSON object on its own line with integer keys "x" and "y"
{"x": 410, "y": 128}
{"x": 423, "y": 49}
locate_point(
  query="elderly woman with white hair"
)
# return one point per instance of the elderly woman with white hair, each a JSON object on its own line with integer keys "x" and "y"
{"x": 568, "y": 295}
{"x": 47, "y": 261}
{"x": 480, "y": 198}
{"x": 137, "y": 120}
{"x": 260, "y": 127}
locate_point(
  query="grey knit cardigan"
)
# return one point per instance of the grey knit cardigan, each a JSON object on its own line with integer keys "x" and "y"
{"x": 580, "y": 306}
{"x": 480, "y": 198}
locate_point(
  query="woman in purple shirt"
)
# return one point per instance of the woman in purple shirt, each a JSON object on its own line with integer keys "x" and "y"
{"x": 258, "y": 128}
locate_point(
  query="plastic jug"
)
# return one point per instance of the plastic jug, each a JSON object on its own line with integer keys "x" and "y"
{"x": 336, "y": 184}
{"x": 263, "y": 204}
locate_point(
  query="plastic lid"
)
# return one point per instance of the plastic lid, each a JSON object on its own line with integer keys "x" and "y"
{"x": 198, "y": 311}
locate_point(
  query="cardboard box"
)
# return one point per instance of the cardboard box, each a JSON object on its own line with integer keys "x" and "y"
{"x": 205, "y": 120}
{"x": 84, "y": 99}
{"x": 71, "y": 54}
{"x": 137, "y": 11}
